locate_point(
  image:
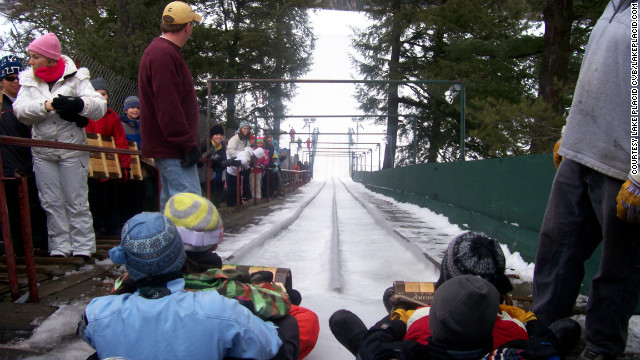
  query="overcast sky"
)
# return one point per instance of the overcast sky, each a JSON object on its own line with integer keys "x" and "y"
{"x": 332, "y": 60}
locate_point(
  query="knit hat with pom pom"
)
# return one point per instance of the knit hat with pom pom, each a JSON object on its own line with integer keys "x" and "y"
{"x": 150, "y": 246}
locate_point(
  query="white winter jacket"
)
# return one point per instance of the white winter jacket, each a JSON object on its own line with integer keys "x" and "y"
{"x": 47, "y": 125}
{"x": 236, "y": 146}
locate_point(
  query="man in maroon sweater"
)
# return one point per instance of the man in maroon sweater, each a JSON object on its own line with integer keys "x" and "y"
{"x": 168, "y": 104}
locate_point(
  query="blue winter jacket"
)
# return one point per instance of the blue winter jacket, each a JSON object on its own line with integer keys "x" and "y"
{"x": 131, "y": 129}
{"x": 182, "y": 325}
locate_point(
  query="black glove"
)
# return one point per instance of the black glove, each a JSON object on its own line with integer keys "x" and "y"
{"x": 231, "y": 162}
{"x": 216, "y": 161}
{"x": 384, "y": 341}
{"x": 191, "y": 157}
{"x": 67, "y": 104}
{"x": 80, "y": 120}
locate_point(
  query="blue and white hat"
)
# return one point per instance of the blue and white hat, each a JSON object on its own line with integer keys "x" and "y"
{"x": 10, "y": 64}
{"x": 150, "y": 246}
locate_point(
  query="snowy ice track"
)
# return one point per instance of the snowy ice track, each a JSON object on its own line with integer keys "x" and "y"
{"x": 340, "y": 256}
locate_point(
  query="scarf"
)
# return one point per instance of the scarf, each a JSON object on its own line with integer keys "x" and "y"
{"x": 216, "y": 147}
{"x": 51, "y": 73}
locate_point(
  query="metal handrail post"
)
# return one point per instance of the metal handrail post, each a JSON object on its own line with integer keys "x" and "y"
{"x": 462, "y": 125}
{"x": 415, "y": 140}
{"x": 371, "y": 159}
{"x": 238, "y": 197}
{"x": 268, "y": 187}
{"x": 27, "y": 237}
{"x": 6, "y": 238}
{"x": 207, "y": 163}
{"x": 255, "y": 187}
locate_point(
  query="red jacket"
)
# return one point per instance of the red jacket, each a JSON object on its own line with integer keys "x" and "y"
{"x": 309, "y": 328}
{"x": 506, "y": 329}
{"x": 110, "y": 125}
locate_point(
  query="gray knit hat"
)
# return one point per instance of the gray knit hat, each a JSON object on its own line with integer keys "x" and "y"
{"x": 463, "y": 314}
{"x": 244, "y": 123}
{"x": 100, "y": 84}
{"x": 475, "y": 254}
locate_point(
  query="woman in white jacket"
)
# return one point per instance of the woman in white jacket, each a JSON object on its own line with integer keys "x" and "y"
{"x": 57, "y": 99}
{"x": 237, "y": 144}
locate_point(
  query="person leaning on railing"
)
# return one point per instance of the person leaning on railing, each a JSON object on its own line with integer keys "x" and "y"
{"x": 18, "y": 158}
{"x": 57, "y": 99}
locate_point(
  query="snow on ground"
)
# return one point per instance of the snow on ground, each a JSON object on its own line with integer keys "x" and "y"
{"x": 370, "y": 263}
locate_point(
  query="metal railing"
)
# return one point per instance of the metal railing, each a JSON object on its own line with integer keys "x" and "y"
{"x": 27, "y": 237}
{"x": 291, "y": 180}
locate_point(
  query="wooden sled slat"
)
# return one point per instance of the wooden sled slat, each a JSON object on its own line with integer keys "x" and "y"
{"x": 97, "y": 161}
{"x": 281, "y": 276}
{"x": 136, "y": 168}
{"x": 112, "y": 160}
{"x": 418, "y": 291}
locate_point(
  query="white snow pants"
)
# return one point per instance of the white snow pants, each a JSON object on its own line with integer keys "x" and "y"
{"x": 63, "y": 193}
{"x": 255, "y": 183}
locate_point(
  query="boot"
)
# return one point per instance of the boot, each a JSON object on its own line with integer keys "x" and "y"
{"x": 348, "y": 329}
{"x": 567, "y": 332}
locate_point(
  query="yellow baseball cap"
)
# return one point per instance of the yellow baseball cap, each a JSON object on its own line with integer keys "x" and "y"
{"x": 179, "y": 12}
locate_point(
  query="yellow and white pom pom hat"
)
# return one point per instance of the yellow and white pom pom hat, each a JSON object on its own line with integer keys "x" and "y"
{"x": 197, "y": 220}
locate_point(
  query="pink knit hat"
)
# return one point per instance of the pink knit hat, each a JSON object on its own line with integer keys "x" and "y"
{"x": 47, "y": 45}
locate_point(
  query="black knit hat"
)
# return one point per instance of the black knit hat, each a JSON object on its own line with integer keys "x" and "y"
{"x": 475, "y": 254}
{"x": 216, "y": 129}
{"x": 463, "y": 314}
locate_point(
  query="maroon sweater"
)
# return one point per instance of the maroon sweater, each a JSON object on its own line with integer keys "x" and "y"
{"x": 168, "y": 103}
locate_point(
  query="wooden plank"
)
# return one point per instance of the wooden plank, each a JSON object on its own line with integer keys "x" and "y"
{"x": 40, "y": 269}
{"x": 112, "y": 160}
{"x": 106, "y": 246}
{"x": 4, "y": 278}
{"x": 421, "y": 292}
{"x": 136, "y": 168}
{"x": 46, "y": 260}
{"x": 51, "y": 287}
{"x": 281, "y": 276}
{"x": 97, "y": 161}
{"x": 114, "y": 242}
{"x": 18, "y": 320}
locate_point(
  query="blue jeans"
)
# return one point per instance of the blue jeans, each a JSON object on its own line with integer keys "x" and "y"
{"x": 176, "y": 179}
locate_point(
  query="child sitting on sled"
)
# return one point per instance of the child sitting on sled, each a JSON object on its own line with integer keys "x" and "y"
{"x": 201, "y": 230}
{"x": 163, "y": 321}
{"x": 468, "y": 254}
